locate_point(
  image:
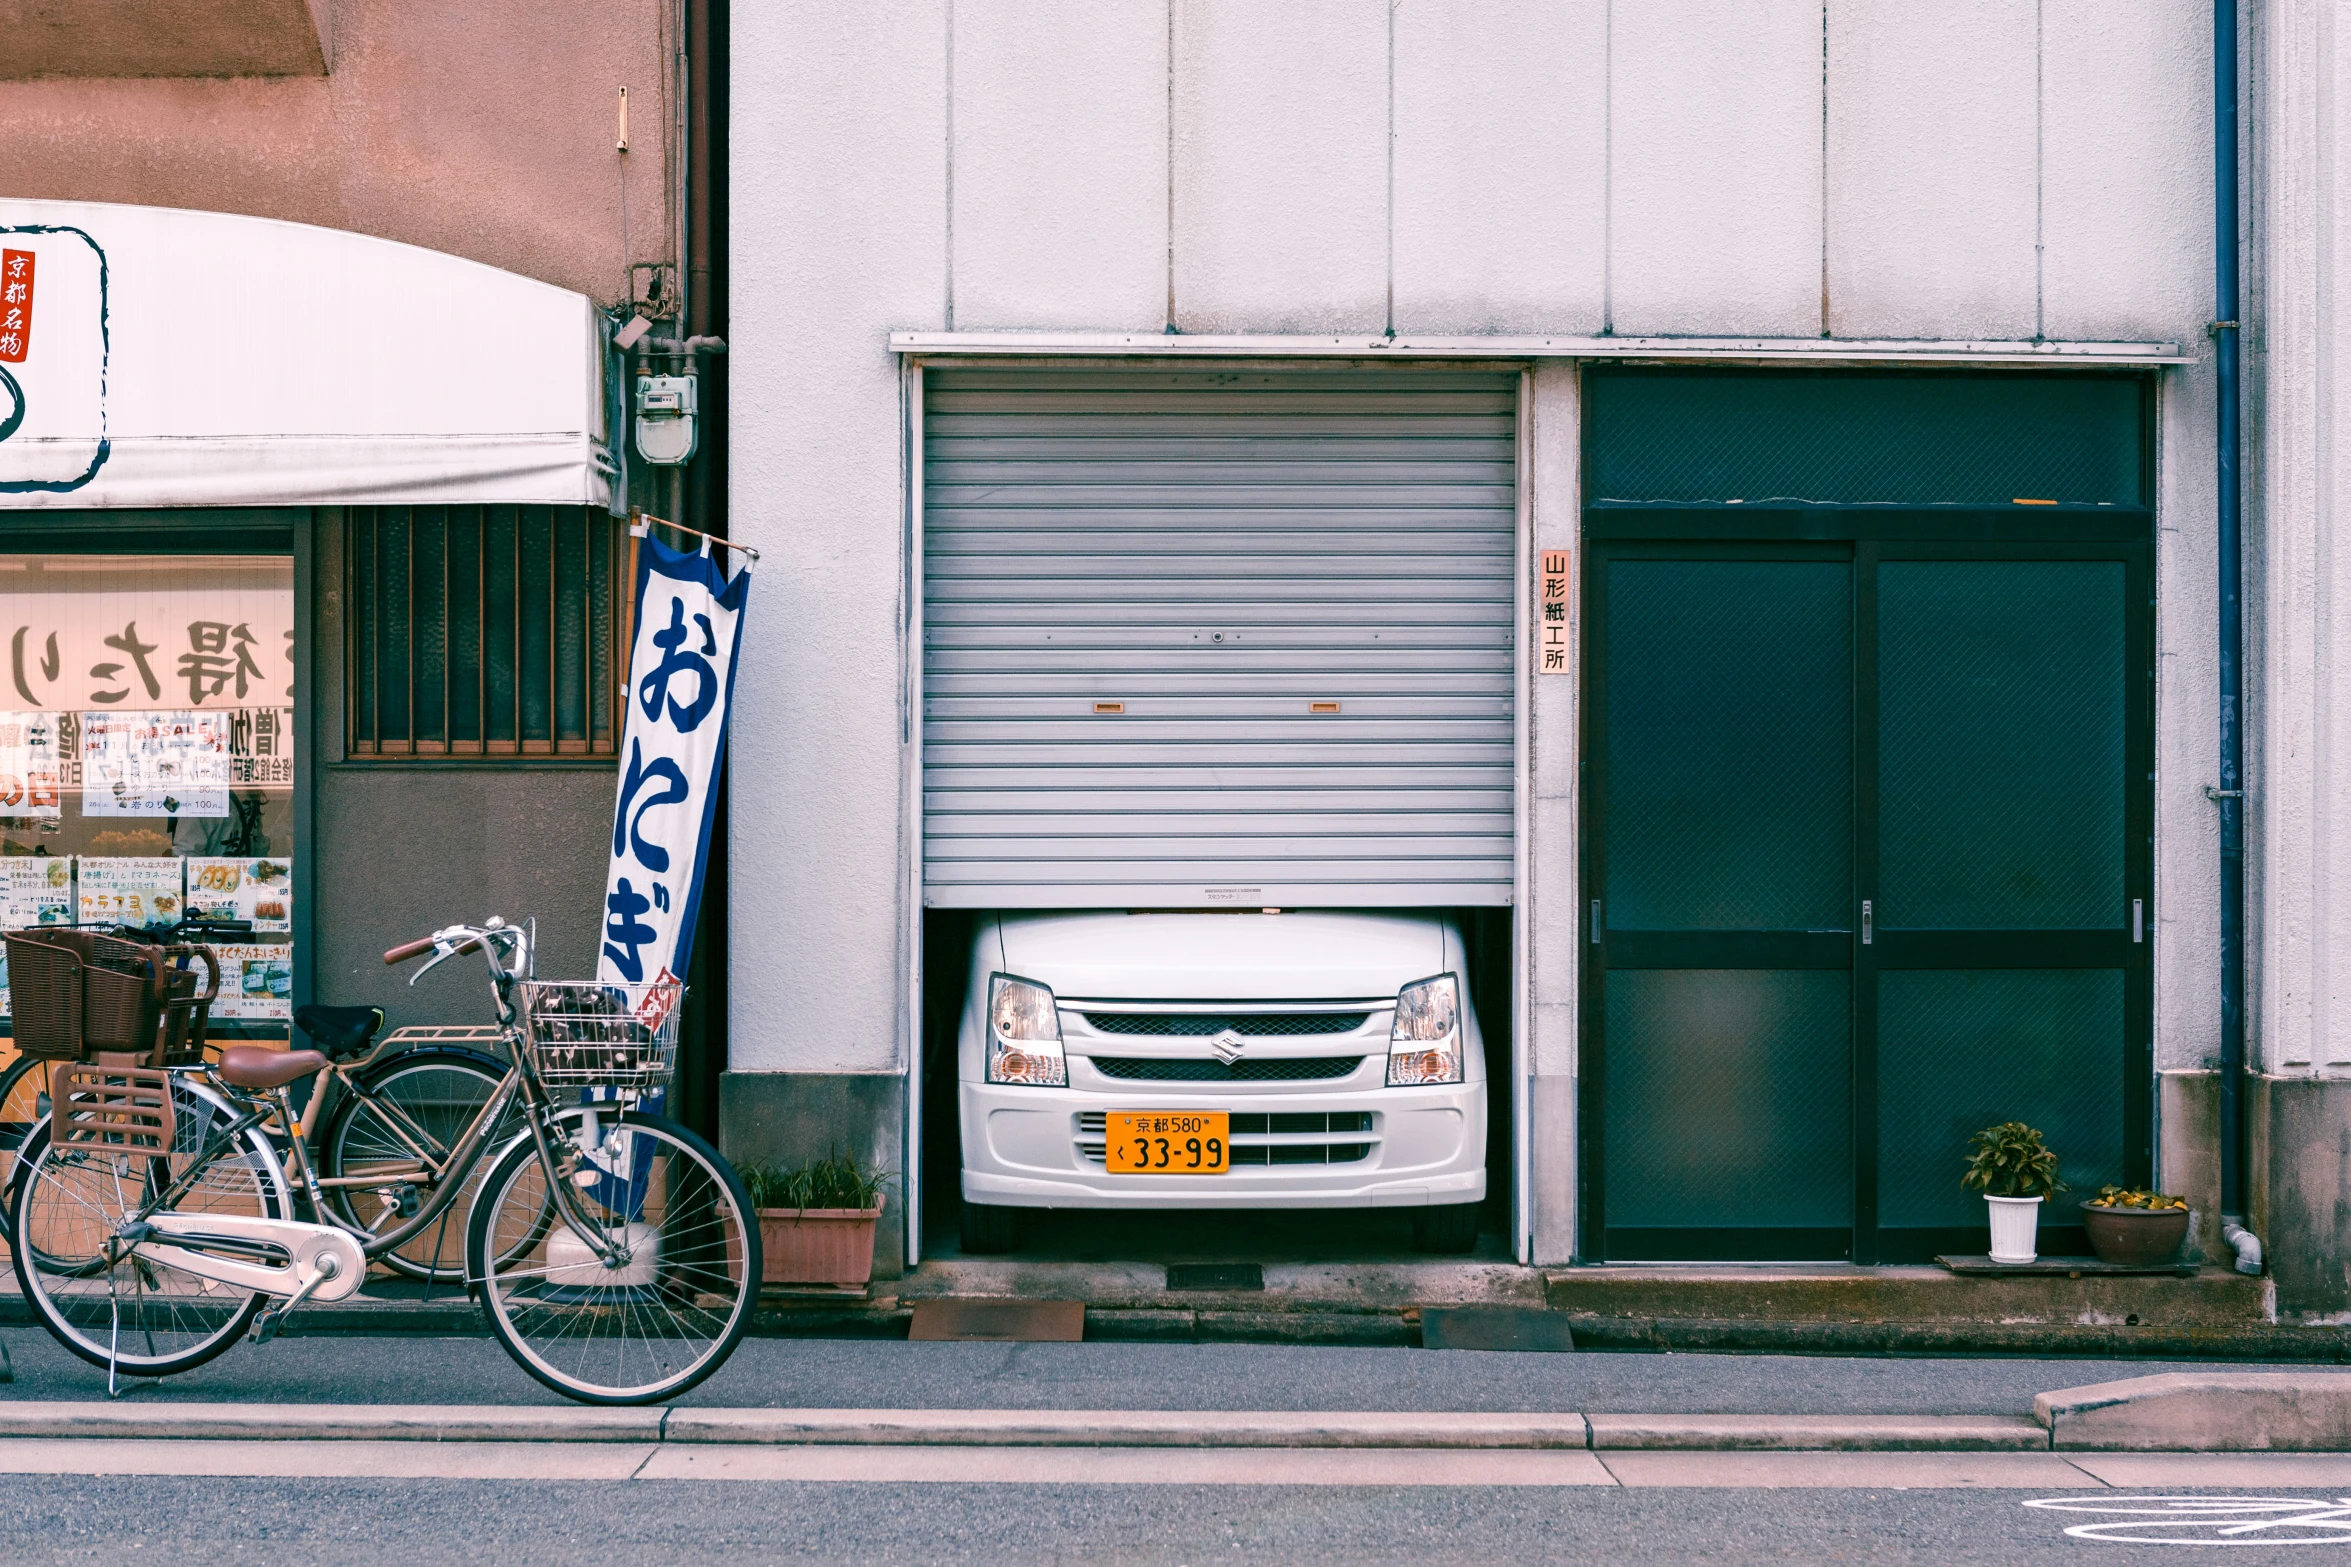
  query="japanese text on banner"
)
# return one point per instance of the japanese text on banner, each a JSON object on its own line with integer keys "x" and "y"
{"x": 681, "y": 680}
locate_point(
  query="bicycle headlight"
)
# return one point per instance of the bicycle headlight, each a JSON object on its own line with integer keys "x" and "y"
{"x": 1024, "y": 1034}
{"x": 1424, "y": 1043}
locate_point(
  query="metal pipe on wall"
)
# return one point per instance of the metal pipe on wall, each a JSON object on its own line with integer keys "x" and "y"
{"x": 2230, "y": 795}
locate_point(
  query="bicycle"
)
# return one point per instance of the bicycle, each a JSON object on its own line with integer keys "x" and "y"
{"x": 609, "y": 1249}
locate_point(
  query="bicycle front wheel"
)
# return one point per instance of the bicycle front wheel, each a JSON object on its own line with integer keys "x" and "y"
{"x": 147, "y": 1318}
{"x": 648, "y": 1322}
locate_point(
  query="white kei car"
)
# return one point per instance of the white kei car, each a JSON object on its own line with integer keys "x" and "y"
{"x": 1248, "y": 1060}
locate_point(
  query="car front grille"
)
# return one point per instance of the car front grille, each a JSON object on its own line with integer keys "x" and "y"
{"x": 1296, "y": 1069}
{"x": 1253, "y": 1137}
{"x": 1249, "y": 1025}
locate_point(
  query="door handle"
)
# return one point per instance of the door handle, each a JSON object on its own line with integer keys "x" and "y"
{"x": 1595, "y": 922}
{"x": 2138, "y": 920}
{"x": 1867, "y": 924}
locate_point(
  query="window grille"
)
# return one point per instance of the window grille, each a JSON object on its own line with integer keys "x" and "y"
{"x": 483, "y": 631}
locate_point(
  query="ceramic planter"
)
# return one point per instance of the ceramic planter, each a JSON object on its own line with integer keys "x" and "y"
{"x": 2016, "y": 1225}
{"x": 817, "y": 1245}
{"x": 2135, "y": 1237}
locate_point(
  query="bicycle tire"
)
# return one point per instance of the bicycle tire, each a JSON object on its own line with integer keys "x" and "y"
{"x": 355, "y": 1129}
{"x": 21, "y": 1089}
{"x": 681, "y": 1313}
{"x": 61, "y": 1198}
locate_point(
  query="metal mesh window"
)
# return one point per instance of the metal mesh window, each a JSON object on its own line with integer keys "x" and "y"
{"x": 483, "y": 631}
{"x": 1701, "y": 437}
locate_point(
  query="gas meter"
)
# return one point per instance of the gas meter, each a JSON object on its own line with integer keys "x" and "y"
{"x": 665, "y": 418}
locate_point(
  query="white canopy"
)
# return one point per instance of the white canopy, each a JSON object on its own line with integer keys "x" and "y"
{"x": 172, "y": 358}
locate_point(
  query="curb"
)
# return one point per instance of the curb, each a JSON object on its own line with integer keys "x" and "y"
{"x": 1024, "y": 1428}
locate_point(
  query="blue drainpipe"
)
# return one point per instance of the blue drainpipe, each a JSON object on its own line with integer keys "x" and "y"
{"x": 2230, "y": 796}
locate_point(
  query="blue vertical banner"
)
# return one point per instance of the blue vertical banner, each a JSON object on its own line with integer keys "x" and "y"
{"x": 681, "y": 685}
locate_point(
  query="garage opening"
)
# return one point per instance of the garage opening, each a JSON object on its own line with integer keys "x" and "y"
{"x": 1218, "y": 739}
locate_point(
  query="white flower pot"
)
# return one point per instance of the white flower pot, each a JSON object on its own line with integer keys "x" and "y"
{"x": 2016, "y": 1223}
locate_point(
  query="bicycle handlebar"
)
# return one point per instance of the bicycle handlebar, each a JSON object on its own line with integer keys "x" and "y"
{"x": 413, "y": 949}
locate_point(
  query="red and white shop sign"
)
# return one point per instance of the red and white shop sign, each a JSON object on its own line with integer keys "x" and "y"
{"x": 16, "y": 304}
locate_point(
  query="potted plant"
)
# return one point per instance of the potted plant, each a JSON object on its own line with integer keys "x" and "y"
{"x": 2135, "y": 1229}
{"x": 2015, "y": 1171}
{"x": 816, "y": 1220}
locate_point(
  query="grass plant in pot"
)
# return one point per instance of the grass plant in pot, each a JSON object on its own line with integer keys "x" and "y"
{"x": 816, "y": 1220}
{"x": 2135, "y": 1229}
{"x": 2015, "y": 1171}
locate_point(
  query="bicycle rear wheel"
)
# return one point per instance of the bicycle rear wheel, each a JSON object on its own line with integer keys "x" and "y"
{"x": 152, "y": 1319}
{"x": 656, "y": 1322}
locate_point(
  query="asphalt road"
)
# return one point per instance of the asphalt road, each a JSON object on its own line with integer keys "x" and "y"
{"x": 205, "y": 1520}
{"x": 889, "y": 1374}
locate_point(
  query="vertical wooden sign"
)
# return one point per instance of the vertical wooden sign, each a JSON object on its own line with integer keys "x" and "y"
{"x": 1551, "y": 616}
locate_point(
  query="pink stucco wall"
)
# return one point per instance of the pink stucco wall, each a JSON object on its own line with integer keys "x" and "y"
{"x": 483, "y": 128}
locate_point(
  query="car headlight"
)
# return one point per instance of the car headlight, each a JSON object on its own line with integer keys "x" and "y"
{"x": 1424, "y": 1043}
{"x": 1024, "y": 1034}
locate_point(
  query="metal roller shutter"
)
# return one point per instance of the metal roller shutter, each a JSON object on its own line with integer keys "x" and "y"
{"x": 1198, "y": 638}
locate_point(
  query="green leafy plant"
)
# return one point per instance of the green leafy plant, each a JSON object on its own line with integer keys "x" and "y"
{"x": 2010, "y": 1160}
{"x": 2131, "y": 1197}
{"x": 835, "y": 1181}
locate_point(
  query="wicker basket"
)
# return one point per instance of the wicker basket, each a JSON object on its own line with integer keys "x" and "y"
{"x": 85, "y": 993}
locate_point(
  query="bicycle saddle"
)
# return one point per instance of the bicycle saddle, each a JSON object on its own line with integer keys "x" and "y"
{"x": 339, "y": 1031}
{"x": 257, "y": 1066}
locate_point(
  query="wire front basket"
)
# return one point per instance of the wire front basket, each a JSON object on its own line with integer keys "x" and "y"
{"x": 583, "y": 1033}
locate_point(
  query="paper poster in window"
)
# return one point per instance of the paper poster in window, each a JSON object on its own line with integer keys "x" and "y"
{"x": 163, "y": 762}
{"x": 259, "y": 890}
{"x": 35, "y": 889}
{"x": 137, "y": 890}
{"x": 256, "y": 981}
{"x": 29, "y": 773}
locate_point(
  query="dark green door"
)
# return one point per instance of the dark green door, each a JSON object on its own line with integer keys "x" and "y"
{"x": 1866, "y": 838}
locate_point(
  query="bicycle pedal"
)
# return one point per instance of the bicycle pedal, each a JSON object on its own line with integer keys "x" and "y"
{"x": 265, "y": 1327}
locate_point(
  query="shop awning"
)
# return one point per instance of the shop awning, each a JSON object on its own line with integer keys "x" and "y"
{"x": 157, "y": 357}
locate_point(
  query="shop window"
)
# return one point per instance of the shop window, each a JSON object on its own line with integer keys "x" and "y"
{"x": 147, "y": 758}
{"x": 482, "y": 631}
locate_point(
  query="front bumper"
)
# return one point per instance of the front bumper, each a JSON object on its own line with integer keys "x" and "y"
{"x": 1392, "y": 1147}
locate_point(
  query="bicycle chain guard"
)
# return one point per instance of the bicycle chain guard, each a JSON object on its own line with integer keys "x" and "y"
{"x": 322, "y": 1263}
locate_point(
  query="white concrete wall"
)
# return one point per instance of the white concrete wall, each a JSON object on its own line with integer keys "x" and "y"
{"x": 2298, "y": 589}
{"x": 1973, "y": 169}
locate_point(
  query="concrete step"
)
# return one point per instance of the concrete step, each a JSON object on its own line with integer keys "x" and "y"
{"x": 2214, "y": 1312}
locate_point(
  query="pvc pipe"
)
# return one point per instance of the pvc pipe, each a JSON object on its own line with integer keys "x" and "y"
{"x": 2230, "y": 794}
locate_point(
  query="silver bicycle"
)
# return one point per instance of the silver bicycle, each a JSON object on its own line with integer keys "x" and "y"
{"x": 613, "y": 1251}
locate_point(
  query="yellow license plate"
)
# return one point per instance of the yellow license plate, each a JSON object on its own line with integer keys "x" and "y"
{"x": 1168, "y": 1142}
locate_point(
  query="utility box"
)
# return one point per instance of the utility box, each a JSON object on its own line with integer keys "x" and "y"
{"x": 665, "y": 418}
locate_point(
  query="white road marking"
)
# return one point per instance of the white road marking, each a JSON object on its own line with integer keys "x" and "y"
{"x": 2173, "y": 1471}
{"x": 1880, "y": 1471}
{"x": 2208, "y": 1520}
{"x": 328, "y": 1460}
{"x": 1129, "y": 1465}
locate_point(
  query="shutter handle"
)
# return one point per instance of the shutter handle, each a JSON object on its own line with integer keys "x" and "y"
{"x": 1868, "y": 923}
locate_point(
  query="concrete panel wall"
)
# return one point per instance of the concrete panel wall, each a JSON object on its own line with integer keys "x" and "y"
{"x": 1714, "y": 153}
{"x": 1060, "y": 165}
{"x": 1932, "y": 168}
{"x": 839, "y": 234}
{"x": 2299, "y": 584}
{"x": 1501, "y": 197}
{"x": 1554, "y": 426}
{"x": 1281, "y": 166}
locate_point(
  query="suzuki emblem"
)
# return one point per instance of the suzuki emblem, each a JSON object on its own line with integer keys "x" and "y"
{"x": 1228, "y": 1047}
